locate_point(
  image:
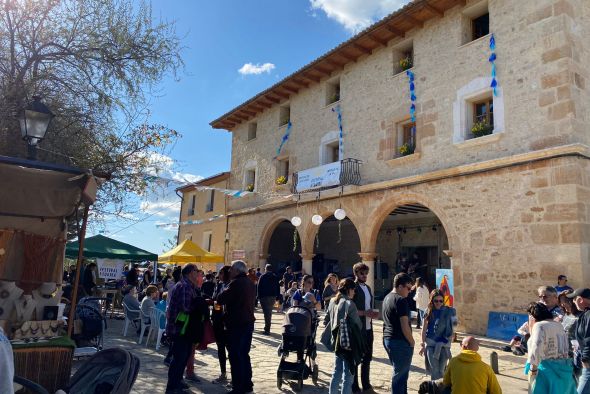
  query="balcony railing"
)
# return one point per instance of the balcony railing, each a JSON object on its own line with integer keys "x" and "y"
{"x": 328, "y": 176}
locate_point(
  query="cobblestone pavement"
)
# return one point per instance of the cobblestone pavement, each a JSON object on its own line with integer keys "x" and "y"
{"x": 153, "y": 373}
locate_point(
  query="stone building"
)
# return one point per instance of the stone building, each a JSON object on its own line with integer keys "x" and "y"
{"x": 494, "y": 186}
{"x": 202, "y": 213}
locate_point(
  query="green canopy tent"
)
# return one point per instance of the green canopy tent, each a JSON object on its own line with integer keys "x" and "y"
{"x": 101, "y": 247}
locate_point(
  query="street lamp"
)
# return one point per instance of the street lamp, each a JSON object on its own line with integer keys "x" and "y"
{"x": 34, "y": 121}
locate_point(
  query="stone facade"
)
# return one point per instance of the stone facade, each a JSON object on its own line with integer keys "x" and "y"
{"x": 514, "y": 204}
{"x": 206, "y": 213}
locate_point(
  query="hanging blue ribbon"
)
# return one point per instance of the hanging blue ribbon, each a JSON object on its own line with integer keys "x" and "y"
{"x": 492, "y": 60}
{"x": 411, "y": 80}
{"x": 284, "y": 139}
{"x": 341, "y": 134}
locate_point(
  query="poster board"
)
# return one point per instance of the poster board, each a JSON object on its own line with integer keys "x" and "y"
{"x": 318, "y": 177}
{"x": 110, "y": 269}
{"x": 445, "y": 283}
{"x": 504, "y": 325}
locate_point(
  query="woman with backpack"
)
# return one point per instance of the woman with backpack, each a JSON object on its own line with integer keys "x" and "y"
{"x": 344, "y": 338}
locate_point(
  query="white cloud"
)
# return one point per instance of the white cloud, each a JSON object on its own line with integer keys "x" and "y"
{"x": 249, "y": 68}
{"x": 356, "y": 15}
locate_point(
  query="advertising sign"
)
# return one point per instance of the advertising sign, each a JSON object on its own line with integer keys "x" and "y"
{"x": 110, "y": 269}
{"x": 238, "y": 254}
{"x": 444, "y": 282}
{"x": 318, "y": 177}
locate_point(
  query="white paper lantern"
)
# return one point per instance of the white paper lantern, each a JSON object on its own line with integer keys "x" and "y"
{"x": 296, "y": 221}
{"x": 340, "y": 214}
{"x": 316, "y": 219}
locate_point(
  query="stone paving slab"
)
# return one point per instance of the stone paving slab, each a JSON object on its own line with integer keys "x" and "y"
{"x": 153, "y": 373}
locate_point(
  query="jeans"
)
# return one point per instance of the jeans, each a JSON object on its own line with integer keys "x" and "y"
{"x": 437, "y": 366}
{"x": 267, "y": 304}
{"x": 239, "y": 341}
{"x": 181, "y": 348}
{"x": 365, "y": 365}
{"x": 220, "y": 341}
{"x": 420, "y": 317}
{"x": 400, "y": 355}
{"x": 584, "y": 382}
{"x": 341, "y": 374}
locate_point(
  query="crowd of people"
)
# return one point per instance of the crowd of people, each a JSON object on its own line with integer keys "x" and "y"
{"x": 202, "y": 308}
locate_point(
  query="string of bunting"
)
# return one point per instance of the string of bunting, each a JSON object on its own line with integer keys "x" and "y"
{"x": 492, "y": 60}
{"x": 199, "y": 221}
{"x": 284, "y": 139}
{"x": 411, "y": 81}
{"x": 341, "y": 133}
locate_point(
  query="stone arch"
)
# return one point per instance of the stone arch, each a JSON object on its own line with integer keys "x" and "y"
{"x": 268, "y": 230}
{"x": 391, "y": 201}
{"x": 311, "y": 229}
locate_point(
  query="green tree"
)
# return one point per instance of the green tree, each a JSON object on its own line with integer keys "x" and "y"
{"x": 95, "y": 63}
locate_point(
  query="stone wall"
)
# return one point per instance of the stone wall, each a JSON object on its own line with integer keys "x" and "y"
{"x": 509, "y": 230}
{"x": 541, "y": 70}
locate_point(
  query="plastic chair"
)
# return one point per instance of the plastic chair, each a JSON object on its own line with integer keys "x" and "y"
{"x": 128, "y": 319}
{"x": 144, "y": 325}
{"x": 155, "y": 317}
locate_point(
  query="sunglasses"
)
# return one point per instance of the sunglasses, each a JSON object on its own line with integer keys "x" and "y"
{"x": 437, "y": 301}
{"x": 543, "y": 296}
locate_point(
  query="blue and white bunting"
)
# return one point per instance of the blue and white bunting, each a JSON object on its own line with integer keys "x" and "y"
{"x": 492, "y": 60}
{"x": 284, "y": 139}
{"x": 341, "y": 133}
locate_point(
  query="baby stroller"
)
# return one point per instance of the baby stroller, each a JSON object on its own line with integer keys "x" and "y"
{"x": 108, "y": 371}
{"x": 93, "y": 323}
{"x": 299, "y": 330}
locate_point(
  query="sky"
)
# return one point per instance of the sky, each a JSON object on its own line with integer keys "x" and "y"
{"x": 233, "y": 49}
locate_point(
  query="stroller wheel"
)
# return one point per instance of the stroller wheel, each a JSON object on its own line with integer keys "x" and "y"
{"x": 314, "y": 374}
{"x": 279, "y": 379}
{"x": 299, "y": 385}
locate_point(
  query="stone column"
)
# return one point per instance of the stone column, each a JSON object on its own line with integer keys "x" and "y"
{"x": 369, "y": 259}
{"x": 306, "y": 263}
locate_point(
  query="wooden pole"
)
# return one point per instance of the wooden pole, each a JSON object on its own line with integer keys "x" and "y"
{"x": 81, "y": 237}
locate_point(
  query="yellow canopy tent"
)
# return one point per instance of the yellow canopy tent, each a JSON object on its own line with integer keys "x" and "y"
{"x": 189, "y": 252}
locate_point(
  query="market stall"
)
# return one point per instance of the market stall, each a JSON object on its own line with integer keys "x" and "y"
{"x": 36, "y": 201}
{"x": 189, "y": 252}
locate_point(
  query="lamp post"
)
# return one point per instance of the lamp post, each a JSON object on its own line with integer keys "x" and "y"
{"x": 34, "y": 121}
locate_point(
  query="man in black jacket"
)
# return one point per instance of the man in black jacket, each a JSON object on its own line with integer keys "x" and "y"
{"x": 363, "y": 299}
{"x": 268, "y": 292}
{"x": 238, "y": 299}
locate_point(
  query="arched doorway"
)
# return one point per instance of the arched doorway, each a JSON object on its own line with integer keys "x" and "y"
{"x": 284, "y": 247}
{"x": 411, "y": 239}
{"x": 336, "y": 248}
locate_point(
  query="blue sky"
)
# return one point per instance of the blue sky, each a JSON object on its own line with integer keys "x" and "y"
{"x": 267, "y": 40}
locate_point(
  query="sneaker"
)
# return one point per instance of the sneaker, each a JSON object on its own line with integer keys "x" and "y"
{"x": 193, "y": 378}
{"x": 507, "y": 348}
{"x": 220, "y": 380}
{"x": 265, "y": 332}
{"x": 184, "y": 385}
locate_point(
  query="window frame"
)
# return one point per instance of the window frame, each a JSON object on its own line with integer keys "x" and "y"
{"x": 252, "y": 130}
{"x": 210, "y": 201}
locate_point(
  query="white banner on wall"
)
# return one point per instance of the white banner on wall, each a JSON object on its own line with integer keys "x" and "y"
{"x": 110, "y": 269}
{"x": 318, "y": 177}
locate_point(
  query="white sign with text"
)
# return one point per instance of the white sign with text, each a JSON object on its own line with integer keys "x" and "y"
{"x": 110, "y": 269}
{"x": 318, "y": 177}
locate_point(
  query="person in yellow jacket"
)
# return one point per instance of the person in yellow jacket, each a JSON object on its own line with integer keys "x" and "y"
{"x": 467, "y": 374}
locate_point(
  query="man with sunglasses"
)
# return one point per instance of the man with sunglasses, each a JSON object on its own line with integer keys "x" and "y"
{"x": 363, "y": 300}
{"x": 397, "y": 332}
